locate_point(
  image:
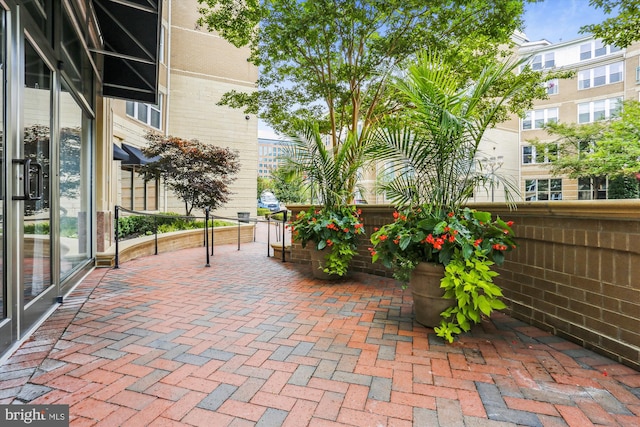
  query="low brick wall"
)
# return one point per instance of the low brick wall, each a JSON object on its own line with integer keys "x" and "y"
{"x": 167, "y": 242}
{"x": 575, "y": 273}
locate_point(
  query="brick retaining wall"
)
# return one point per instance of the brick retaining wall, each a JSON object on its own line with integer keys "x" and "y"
{"x": 575, "y": 273}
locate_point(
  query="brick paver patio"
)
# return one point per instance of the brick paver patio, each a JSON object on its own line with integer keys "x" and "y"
{"x": 165, "y": 341}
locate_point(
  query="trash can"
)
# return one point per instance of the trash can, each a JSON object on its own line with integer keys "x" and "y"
{"x": 243, "y": 216}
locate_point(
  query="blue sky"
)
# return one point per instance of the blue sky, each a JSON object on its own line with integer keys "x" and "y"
{"x": 559, "y": 20}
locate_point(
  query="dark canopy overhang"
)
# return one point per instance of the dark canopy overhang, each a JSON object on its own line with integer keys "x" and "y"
{"x": 130, "y": 31}
{"x": 120, "y": 154}
{"x": 136, "y": 157}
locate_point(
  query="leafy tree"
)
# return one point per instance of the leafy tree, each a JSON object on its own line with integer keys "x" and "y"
{"x": 288, "y": 185}
{"x": 603, "y": 148}
{"x": 620, "y": 30}
{"x": 328, "y": 61}
{"x": 263, "y": 184}
{"x": 198, "y": 173}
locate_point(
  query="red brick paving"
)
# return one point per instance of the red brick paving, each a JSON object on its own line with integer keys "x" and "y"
{"x": 165, "y": 341}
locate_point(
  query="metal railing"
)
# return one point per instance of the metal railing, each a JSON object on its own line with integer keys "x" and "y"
{"x": 209, "y": 221}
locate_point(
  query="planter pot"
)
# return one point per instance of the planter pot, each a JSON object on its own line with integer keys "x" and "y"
{"x": 317, "y": 264}
{"x": 428, "y": 302}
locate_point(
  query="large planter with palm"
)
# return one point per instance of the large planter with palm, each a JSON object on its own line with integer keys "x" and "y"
{"x": 332, "y": 228}
{"x": 432, "y": 147}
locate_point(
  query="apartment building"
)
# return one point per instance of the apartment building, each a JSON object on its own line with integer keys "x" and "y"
{"x": 269, "y": 155}
{"x": 604, "y": 77}
{"x": 196, "y": 67}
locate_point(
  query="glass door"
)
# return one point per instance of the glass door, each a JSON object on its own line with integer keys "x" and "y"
{"x": 37, "y": 290}
{"x": 6, "y": 332}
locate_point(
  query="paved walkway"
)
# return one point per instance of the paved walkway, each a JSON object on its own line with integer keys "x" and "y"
{"x": 165, "y": 341}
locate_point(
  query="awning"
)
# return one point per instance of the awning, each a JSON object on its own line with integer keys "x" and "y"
{"x": 136, "y": 157}
{"x": 120, "y": 154}
{"x": 130, "y": 31}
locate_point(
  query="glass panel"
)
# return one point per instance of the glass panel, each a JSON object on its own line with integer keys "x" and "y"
{"x": 601, "y": 49}
{"x": 585, "y": 51}
{"x": 583, "y": 113}
{"x": 526, "y": 122}
{"x": 615, "y": 73}
{"x": 552, "y": 115}
{"x": 537, "y": 62}
{"x": 549, "y": 60}
{"x": 584, "y": 189}
{"x": 598, "y": 110}
{"x": 527, "y": 155}
{"x": 37, "y": 10}
{"x": 599, "y": 76}
{"x": 3, "y": 289}
{"x": 530, "y": 189}
{"x": 74, "y": 206}
{"x": 131, "y": 109}
{"x": 584, "y": 79}
{"x": 539, "y": 119}
{"x": 142, "y": 112}
{"x": 37, "y": 136}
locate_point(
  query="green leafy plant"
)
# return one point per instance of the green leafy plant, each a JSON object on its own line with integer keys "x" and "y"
{"x": 336, "y": 229}
{"x": 467, "y": 243}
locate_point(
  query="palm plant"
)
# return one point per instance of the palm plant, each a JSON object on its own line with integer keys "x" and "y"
{"x": 331, "y": 172}
{"x": 430, "y": 146}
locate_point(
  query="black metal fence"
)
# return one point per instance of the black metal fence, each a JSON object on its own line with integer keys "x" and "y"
{"x": 209, "y": 221}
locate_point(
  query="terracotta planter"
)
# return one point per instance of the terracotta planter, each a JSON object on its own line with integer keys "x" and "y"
{"x": 428, "y": 302}
{"x": 317, "y": 264}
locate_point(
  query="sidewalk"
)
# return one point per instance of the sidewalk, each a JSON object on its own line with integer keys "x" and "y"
{"x": 166, "y": 341}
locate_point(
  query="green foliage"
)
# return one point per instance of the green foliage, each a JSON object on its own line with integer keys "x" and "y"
{"x": 623, "y": 187}
{"x": 41, "y": 228}
{"x": 467, "y": 243}
{"x": 421, "y": 235}
{"x": 468, "y": 280}
{"x": 330, "y": 173}
{"x": 263, "y": 184}
{"x": 336, "y": 229}
{"x": 620, "y": 30}
{"x": 263, "y": 211}
{"x": 145, "y": 225}
{"x": 288, "y": 185}
{"x": 603, "y": 148}
{"x": 431, "y": 143}
{"x": 199, "y": 174}
{"x": 329, "y": 61}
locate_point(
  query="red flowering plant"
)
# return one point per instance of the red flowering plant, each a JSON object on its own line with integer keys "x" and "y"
{"x": 467, "y": 243}
{"x": 335, "y": 229}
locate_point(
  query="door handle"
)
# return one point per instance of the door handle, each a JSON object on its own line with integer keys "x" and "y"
{"x": 28, "y": 168}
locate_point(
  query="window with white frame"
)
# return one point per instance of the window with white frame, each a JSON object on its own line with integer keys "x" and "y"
{"x": 598, "y": 110}
{"x": 596, "y": 49}
{"x": 161, "y": 47}
{"x": 537, "y": 155}
{"x": 599, "y": 76}
{"x": 543, "y": 189}
{"x": 543, "y": 61}
{"x": 551, "y": 86}
{"x": 149, "y": 114}
{"x": 537, "y": 119}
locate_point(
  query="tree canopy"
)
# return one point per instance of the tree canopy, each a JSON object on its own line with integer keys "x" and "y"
{"x": 199, "y": 174}
{"x": 620, "y": 30}
{"x": 328, "y": 61}
{"x": 600, "y": 149}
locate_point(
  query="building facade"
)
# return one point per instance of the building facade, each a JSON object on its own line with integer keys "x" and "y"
{"x": 59, "y": 62}
{"x": 604, "y": 77}
{"x": 196, "y": 67}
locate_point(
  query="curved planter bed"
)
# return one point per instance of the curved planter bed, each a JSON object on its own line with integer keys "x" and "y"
{"x": 176, "y": 240}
